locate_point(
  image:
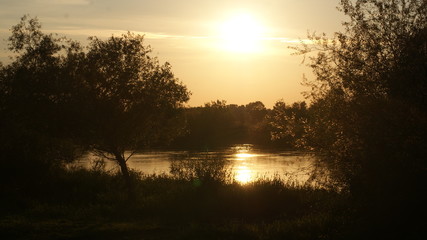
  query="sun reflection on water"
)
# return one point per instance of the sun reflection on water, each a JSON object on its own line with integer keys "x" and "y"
{"x": 243, "y": 156}
{"x": 243, "y": 175}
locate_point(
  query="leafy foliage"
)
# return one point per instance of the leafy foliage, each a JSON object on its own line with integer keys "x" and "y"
{"x": 218, "y": 124}
{"x": 34, "y": 95}
{"x": 368, "y": 115}
{"x": 133, "y": 99}
{"x": 370, "y": 85}
{"x": 288, "y": 122}
{"x": 111, "y": 96}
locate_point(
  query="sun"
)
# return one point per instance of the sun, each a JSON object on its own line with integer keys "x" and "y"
{"x": 241, "y": 33}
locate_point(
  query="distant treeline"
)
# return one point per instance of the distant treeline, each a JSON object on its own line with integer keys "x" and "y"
{"x": 218, "y": 124}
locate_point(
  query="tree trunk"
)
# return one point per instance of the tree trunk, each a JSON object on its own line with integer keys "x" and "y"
{"x": 125, "y": 172}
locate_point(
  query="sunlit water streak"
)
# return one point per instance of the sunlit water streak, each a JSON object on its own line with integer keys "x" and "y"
{"x": 247, "y": 163}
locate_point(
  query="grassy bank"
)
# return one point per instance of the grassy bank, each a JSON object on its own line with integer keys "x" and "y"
{"x": 82, "y": 204}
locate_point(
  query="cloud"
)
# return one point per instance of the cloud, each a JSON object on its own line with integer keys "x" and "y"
{"x": 76, "y": 31}
{"x": 65, "y": 2}
{"x": 296, "y": 41}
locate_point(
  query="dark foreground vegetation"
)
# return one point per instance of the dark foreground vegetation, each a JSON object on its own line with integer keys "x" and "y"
{"x": 88, "y": 204}
{"x": 366, "y": 121}
{"x": 91, "y": 204}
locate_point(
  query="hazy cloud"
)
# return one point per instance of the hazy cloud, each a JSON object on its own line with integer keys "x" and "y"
{"x": 64, "y": 2}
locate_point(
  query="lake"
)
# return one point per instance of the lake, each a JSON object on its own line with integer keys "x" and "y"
{"x": 247, "y": 162}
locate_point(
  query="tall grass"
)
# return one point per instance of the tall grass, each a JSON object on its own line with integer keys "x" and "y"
{"x": 209, "y": 169}
{"x": 198, "y": 200}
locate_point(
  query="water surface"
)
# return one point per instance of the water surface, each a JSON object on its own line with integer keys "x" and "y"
{"x": 247, "y": 162}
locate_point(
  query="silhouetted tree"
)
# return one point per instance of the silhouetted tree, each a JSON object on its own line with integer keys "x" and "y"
{"x": 218, "y": 124}
{"x": 133, "y": 100}
{"x": 258, "y": 130}
{"x": 369, "y": 115}
{"x": 288, "y": 123}
{"x": 34, "y": 93}
{"x": 111, "y": 98}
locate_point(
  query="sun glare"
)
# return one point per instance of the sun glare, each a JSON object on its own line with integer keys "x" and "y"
{"x": 243, "y": 156}
{"x": 243, "y": 175}
{"x": 241, "y": 33}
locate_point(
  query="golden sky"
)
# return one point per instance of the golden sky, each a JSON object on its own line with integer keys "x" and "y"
{"x": 221, "y": 49}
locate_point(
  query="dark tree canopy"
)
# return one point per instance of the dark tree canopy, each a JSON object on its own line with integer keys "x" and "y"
{"x": 134, "y": 99}
{"x": 111, "y": 96}
{"x": 288, "y": 122}
{"x": 368, "y": 116}
{"x": 370, "y": 75}
{"x": 380, "y": 38}
{"x": 34, "y": 90}
{"x": 218, "y": 124}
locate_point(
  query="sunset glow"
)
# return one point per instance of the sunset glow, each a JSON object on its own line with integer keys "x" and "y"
{"x": 213, "y": 119}
{"x": 229, "y": 50}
